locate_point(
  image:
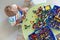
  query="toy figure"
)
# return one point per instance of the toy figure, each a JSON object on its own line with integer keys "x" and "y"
{"x": 15, "y": 13}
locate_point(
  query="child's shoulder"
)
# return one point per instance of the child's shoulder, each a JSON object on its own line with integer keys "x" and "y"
{"x": 12, "y": 19}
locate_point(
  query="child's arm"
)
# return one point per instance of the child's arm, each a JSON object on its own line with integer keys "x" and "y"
{"x": 22, "y": 13}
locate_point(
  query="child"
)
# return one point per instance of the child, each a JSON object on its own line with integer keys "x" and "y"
{"x": 16, "y": 14}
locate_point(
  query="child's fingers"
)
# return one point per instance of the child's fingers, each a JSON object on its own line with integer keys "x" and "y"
{"x": 19, "y": 8}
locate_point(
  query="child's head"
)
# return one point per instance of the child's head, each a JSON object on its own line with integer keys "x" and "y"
{"x": 11, "y": 10}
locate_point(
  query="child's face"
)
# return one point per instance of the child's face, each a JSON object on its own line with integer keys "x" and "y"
{"x": 11, "y": 10}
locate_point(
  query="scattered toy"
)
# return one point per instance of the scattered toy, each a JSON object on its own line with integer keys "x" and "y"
{"x": 26, "y": 26}
{"x": 58, "y": 37}
{"x": 47, "y": 8}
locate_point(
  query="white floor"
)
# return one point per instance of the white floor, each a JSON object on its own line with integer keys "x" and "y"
{"x": 6, "y": 31}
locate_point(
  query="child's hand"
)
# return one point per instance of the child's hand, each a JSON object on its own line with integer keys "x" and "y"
{"x": 19, "y": 8}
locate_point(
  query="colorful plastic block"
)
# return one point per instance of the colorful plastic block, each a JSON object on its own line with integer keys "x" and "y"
{"x": 47, "y": 8}
{"x": 57, "y": 18}
{"x": 58, "y": 37}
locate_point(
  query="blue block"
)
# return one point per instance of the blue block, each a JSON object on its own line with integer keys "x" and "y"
{"x": 56, "y": 7}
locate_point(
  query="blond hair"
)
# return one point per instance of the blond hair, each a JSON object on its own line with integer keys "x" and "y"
{"x": 9, "y": 12}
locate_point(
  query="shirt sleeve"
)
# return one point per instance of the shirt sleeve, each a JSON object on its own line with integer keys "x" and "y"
{"x": 12, "y": 20}
{"x": 21, "y": 13}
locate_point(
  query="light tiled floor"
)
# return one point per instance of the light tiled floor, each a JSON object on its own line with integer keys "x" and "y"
{"x": 20, "y": 34}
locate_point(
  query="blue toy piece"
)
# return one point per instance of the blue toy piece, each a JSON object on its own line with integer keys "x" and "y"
{"x": 53, "y": 12}
{"x": 43, "y": 33}
{"x": 56, "y": 7}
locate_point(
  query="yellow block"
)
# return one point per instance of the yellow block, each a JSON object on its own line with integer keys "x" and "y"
{"x": 47, "y": 8}
{"x": 35, "y": 16}
{"x": 58, "y": 39}
{"x": 57, "y": 18}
